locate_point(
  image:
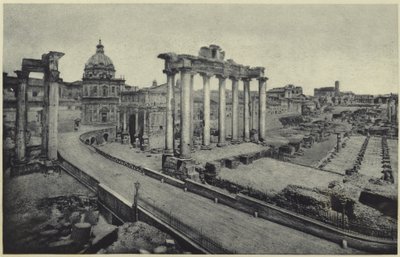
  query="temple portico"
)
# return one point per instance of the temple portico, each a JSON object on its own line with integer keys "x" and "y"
{"x": 210, "y": 64}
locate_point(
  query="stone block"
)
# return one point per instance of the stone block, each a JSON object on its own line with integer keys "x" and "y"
{"x": 231, "y": 163}
{"x": 246, "y": 159}
{"x": 213, "y": 167}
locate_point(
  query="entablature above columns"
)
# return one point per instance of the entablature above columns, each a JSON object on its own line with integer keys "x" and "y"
{"x": 22, "y": 75}
{"x": 49, "y": 62}
{"x": 201, "y": 65}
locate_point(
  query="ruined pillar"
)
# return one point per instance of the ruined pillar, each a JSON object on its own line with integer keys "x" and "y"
{"x": 53, "y": 115}
{"x": 235, "y": 109}
{"x": 45, "y": 114}
{"x": 221, "y": 111}
{"x": 246, "y": 110}
{"x": 262, "y": 107}
{"x": 185, "y": 151}
{"x": 169, "y": 133}
{"x": 206, "y": 109}
{"x": 50, "y": 103}
{"x": 21, "y": 119}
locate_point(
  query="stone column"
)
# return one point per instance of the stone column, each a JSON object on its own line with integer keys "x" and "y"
{"x": 21, "y": 119}
{"x": 118, "y": 119}
{"x": 169, "y": 128}
{"x": 262, "y": 107}
{"x": 221, "y": 111}
{"x": 235, "y": 109}
{"x": 185, "y": 151}
{"x": 246, "y": 111}
{"x": 124, "y": 125}
{"x": 145, "y": 134}
{"x": 191, "y": 110}
{"x": 206, "y": 109}
{"x": 45, "y": 114}
{"x": 137, "y": 123}
{"x": 53, "y": 115}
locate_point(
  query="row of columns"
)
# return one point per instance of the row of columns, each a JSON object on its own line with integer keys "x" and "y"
{"x": 186, "y": 122}
{"x": 125, "y": 121}
{"x": 49, "y": 115}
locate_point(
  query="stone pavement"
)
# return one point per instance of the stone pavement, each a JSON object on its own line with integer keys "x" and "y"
{"x": 233, "y": 229}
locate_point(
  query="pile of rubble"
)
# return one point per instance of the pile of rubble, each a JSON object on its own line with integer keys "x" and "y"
{"x": 139, "y": 237}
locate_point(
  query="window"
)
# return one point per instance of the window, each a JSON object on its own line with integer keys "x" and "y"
{"x": 113, "y": 90}
{"x": 34, "y": 93}
{"x": 104, "y": 90}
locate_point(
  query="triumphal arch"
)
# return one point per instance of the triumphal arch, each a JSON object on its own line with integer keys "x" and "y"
{"x": 209, "y": 63}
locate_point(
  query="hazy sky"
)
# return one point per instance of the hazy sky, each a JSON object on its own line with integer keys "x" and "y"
{"x": 306, "y": 45}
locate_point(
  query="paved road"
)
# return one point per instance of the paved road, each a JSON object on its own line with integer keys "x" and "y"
{"x": 233, "y": 229}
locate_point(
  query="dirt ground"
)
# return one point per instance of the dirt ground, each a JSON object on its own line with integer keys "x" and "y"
{"x": 316, "y": 153}
{"x": 346, "y": 157}
{"x": 372, "y": 163}
{"x": 271, "y": 176}
{"x": 23, "y": 219}
{"x": 38, "y": 212}
{"x": 133, "y": 155}
{"x": 217, "y": 153}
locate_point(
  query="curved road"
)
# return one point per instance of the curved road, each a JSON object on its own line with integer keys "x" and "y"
{"x": 234, "y": 230}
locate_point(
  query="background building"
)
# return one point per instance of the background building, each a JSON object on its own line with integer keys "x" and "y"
{"x": 101, "y": 90}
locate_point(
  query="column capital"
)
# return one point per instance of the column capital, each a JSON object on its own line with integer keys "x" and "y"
{"x": 54, "y": 75}
{"x": 221, "y": 76}
{"x": 246, "y": 79}
{"x": 262, "y": 79}
{"x": 189, "y": 70}
{"x": 21, "y": 74}
{"x": 234, "y": 78}
{"x": 170, "y": 72}
{"x": 206, "y": 74}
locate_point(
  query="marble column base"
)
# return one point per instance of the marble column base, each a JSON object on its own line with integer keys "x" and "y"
{"x": 222, "y": 144}
{"x": 206, "y": 147}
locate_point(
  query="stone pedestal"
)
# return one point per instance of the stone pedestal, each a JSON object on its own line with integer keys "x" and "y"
{"x": 231, "y": 163}
{"x": 178, "y": 167}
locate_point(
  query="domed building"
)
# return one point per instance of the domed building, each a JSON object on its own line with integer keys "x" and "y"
{"x": 101, "y": 90}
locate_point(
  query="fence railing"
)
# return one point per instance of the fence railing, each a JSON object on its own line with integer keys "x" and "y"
{"x": 340, "y": 221}
{"x": 197, "y": 236}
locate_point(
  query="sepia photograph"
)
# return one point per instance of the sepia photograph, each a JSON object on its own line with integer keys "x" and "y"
{"x": 226, "y": 128}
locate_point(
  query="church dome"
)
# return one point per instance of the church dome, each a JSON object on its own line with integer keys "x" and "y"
{"x": 99, "y": 65}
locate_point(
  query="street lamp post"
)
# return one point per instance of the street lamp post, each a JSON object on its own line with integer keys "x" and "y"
{"x": 135, "y": 200}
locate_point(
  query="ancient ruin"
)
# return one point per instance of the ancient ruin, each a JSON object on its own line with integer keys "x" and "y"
{"x": 48, "y": 65}
{"x": 210, "y": 62}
